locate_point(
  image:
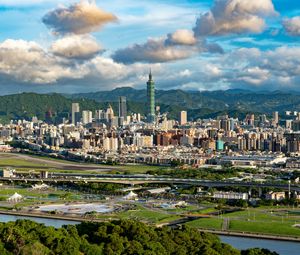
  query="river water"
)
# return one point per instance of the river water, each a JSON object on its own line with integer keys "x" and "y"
{"x": 281, "y": 247}
{"x": 48, "y": 222}
{"x": 241, "y": 243}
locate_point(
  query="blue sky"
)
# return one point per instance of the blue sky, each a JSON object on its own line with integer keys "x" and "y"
{"x": 47, "y": 46}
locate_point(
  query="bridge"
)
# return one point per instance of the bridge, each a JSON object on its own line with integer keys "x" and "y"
{"x": 135, "y": 180}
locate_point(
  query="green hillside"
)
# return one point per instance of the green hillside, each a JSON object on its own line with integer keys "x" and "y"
{"x": 239, "y": 100}
{"x": 236, "y": 103}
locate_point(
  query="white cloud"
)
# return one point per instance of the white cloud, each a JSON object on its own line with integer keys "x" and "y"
{"x": 27, "y": 62}
{"x": 181, "y": 37}
{"x": 154, "y": 50}
{"x": 165, "y": 49}
{"x": 292, "y": 25}
{"x": 234, "y": 16}
{"x": 270, "y": 69}
{"x": 80, "y": 18}
{"x": 76, "y": 46}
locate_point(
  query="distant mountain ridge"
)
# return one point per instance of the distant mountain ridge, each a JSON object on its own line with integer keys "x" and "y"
{"x": 233, "y": 99}
{"x": 206, "y": 104}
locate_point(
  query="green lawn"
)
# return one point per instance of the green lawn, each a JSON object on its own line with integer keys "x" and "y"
{"x": 27, "y": 164}
{"x": 14, "y": 162}
{"x": 206, "y": 223}
{"x": 256, "y": 220}
{"x": 141, "y": 169}
{"x": 144, "y": 214}
{"x": 275, "y": 228}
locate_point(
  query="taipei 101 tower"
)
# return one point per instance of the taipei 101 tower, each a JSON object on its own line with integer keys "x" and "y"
{"x": 150, "y": 99}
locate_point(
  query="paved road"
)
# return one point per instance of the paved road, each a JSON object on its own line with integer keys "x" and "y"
{"x": 138, "y": 179}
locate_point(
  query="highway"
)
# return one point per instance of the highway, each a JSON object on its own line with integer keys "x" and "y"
{"x": 141, "y": 179}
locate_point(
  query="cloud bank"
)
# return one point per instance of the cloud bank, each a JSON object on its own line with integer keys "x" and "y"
{"x": 76, "y": 47}
{"x": 27, "y": 62}
{"x": 234, "y": 16}
{"x": 180, "y": 45}
{"x": 292, "y": 25}
{"x": 80, "y": 18}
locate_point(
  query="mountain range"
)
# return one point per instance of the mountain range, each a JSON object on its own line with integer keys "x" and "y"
{"x": 236, "y": 103}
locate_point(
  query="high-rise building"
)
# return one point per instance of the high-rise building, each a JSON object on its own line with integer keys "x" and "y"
{"x": 87, "y": 117}
{"x": 75, "y": 113}
{"x": 122, "y": 107}
{"x": 150, "y": 99}
{"x": 275, "y": 118}
{"x": 182, "y": 118}
{"x": 110, "y": 113}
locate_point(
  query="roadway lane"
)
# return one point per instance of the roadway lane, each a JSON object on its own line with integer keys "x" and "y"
{"x": 137, "y": 179}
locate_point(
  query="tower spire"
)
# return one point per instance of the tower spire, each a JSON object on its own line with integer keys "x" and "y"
{"x": 150, "y": 99}
{"x": 150, "y": 75}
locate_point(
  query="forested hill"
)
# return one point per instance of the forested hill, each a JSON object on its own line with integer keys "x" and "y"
{"x": 236, "y": 103}
{"x": 234, "y": 99}
{"x": 27, "y": 105}
{"x": 26, "y": 237}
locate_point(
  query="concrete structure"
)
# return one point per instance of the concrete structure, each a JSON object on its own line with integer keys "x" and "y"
{"x": 231, "y": 195}
{"x": 44, "y": 174}
{"x": 275, "y": 196}
{"x": 249, "y": 160}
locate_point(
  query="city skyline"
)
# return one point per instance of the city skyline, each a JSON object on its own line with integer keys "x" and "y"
{"x": 188, "y": 45}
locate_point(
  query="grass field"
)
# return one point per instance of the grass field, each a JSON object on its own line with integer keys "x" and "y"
{"x": 144, "y": 214}
{"x": 15, "y": 162}
{"x": 277, "y": 228}
{"x": 206, "y": 223}
{"x": 267, "y": 220}
{"x": 24, "y": 164}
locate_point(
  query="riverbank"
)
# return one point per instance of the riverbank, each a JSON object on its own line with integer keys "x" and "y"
{"x": 217, "y": 232}
{"x": 52, "y": 216}
{"x": 252, "y": 235}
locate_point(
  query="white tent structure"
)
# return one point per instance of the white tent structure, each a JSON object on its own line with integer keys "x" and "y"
{"x": 130, "y": 196}
{"x": 15, "y": 198}
{"x": 40, "y": 187}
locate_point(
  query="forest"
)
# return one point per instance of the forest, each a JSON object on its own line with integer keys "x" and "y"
{"x": 26, "y": 237}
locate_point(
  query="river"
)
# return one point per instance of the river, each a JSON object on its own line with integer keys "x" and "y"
{"x": 48, "y": 222}
{"x": 281, "y": 247}
{"x": 241, "y": 243}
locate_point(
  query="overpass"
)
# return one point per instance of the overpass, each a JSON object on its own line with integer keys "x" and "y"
{"x": 133, "y": 180}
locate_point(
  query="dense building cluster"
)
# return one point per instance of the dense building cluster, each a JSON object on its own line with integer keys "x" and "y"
{"x": 131, "y": 138}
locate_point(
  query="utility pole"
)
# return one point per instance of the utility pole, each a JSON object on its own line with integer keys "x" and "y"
{"x": 289, "y": 189}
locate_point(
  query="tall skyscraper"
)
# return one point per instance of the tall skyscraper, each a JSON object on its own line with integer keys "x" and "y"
{"x": 150, "y": 99}
{"x": 275, "y": 118}
{"x": 75, "y": 113}
{"x": 122, "y": 107}
{"x": 182, "y": 118}
{"x": 87, "y": 117}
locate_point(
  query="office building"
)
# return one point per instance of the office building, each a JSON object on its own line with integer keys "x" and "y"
{"x": 75, "y": 113}
{"x": 275, "y": 118}
{"x": 87, "y": 117}
{"x": 150, "y": 99}
{"x": 122, "y": 107}
{"x": 182, "y": 118}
